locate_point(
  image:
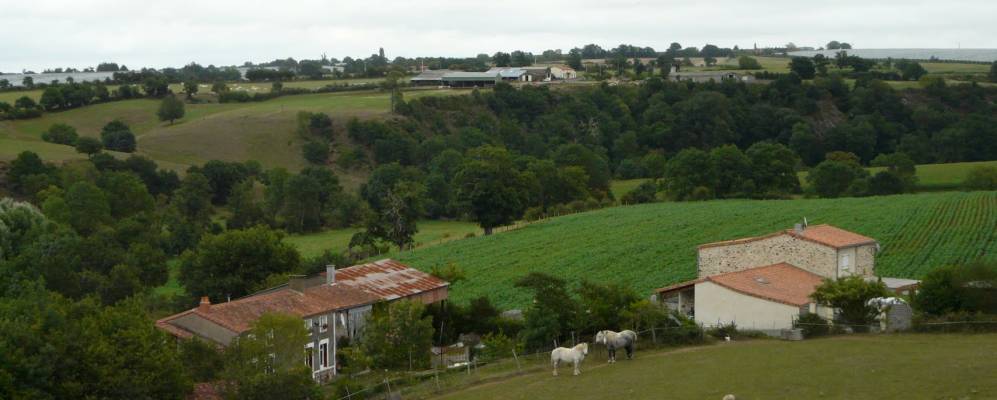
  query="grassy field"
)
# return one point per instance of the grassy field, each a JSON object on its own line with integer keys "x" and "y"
{"x": 934, "y": 176}
{"x": 430, "y": 233}
{"x": 11, "y": 96}
{"x": 910, "y": 366}
{"x": 262, "y": 131}
{"x": 622, "y": 187}
{"x": 653, "y": 245}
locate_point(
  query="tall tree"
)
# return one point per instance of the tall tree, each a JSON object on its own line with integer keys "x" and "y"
{"x": 491, "y": 186}
{"x": 170, "y": 109}
{"x": 228, "y": 265}
{"x": 267, "y": 363}
{"x": 399, "y": 336}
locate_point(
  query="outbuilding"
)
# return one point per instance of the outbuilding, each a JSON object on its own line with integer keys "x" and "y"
{"x": 470, "y": 79}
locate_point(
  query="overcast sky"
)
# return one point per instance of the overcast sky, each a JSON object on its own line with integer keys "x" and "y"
{"x": 80, "y": 33}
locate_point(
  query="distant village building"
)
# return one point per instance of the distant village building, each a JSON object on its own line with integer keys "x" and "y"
{"x": 765, "y": 282}
{"x": 333, "y": 305}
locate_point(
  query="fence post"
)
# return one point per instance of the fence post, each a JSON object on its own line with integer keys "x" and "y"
{"x": 518, "y": 368}
{"x": 654, "y": 336}
{"x": 436, "y": 375}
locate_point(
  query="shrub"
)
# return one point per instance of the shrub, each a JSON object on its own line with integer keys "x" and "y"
{"x": 968, "y": 288}
{"x": 981, "y": 178}
{"x": 316, "y": 152}
{"x": 812, "y": 325}
{"x": 533, "y": 213}
{"x": 60, "y": 134}
{"x": 745, "y": 62}
{"x": 723, "y": 331}
{"x": 498, "y": 346}
{"x": 963, "y": 322}
{"x": 646, "y": 192}
{"x": 117, "y": 136}
{"x": 850, "y": 295}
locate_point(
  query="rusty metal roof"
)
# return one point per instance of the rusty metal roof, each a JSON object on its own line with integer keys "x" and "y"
{"x": 239, "y": 315}
{"x": 389, "y": 279}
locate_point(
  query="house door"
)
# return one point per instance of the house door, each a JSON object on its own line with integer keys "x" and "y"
{"x": 845, "y": 265}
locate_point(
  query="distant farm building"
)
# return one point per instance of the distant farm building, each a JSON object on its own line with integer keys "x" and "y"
{"x": 765, "y": 282}
{"x": 706, "y": 76}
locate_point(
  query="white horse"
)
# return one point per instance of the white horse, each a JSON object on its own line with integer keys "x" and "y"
{"x": 614, "y": 340}
{"x": 883, "y": 304}
{"x": 573, "y": 355}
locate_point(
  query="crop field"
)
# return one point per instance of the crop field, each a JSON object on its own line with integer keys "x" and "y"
{"x": 653, "y": 245}
{"x": 854, "y": 367}
{"x": 261, "y": 131}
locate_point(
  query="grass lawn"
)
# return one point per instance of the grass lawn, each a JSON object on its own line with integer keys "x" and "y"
{"x": 622, "y": 187}
{"x": 430, "y": 233}
{"x": 172, "y": 285}
{"x": 909, "y": 366}
{"x": 653, "y": 245}
{"x": 933, "y": 176}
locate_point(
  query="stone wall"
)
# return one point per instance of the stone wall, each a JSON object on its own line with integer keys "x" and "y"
{"x": 810, "y": 256}
{"x": 865, "y": 260}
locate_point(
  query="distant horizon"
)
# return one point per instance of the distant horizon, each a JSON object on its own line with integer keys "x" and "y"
{"x": 82, "y": 33}
{"x": 240, "y": 64}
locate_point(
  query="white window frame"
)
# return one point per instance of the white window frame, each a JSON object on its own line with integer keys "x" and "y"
{"x": 323, "y": 323}
{"x": 323, "y": 358}
{"x": 310, "y": 356}
{"x": 308, "y": 325}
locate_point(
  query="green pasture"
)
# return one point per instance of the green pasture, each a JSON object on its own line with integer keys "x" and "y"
{"x": 337, "y": 240}
{"x": 856, "y": 367}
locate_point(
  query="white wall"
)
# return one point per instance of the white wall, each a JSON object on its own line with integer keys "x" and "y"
{"x": 715, "y": 303}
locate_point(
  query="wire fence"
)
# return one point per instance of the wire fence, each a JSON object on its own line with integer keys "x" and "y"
{"x": 479, "y": 368}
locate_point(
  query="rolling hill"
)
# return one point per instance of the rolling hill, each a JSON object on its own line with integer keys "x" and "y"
{"x": 653, "y": 245}
{"x": 262, "y": 131}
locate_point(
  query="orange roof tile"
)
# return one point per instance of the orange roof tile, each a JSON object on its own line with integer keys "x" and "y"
{"x": 823, "y": 234}
{"x": 832, "y": 236}
{"x": 678, "y": 286}
{"x": 388, "y": 279}
{"x": 783, "y": 283}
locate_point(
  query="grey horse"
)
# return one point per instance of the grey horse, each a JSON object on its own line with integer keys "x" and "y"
{"x": 613, "y": 340}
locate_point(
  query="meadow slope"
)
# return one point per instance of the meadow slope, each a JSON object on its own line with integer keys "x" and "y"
{"x": 912, "y": 366}
{"x": 653, "y": 245}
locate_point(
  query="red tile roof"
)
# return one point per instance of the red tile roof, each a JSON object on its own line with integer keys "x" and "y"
{"x": 678, "y": 286}
{"x": 832, "y": 236}
{"x": 389, "y": 279}
{"x": 355, "y": 286}
{"x": 239, "y": 315}
{"x": 823, "y": 234}
{"x": 783, "y": 283}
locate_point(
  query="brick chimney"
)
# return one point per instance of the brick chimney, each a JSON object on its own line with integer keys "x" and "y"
{"x": 205, "y": 304}
{"x": 330, "y": 274}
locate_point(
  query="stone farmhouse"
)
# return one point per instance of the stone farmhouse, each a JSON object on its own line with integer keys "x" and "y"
{"x": 332, "y": 305}
{"x": 764, "y": 283}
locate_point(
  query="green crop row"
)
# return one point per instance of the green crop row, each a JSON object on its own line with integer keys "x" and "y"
{"x": 653, "y": 245}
